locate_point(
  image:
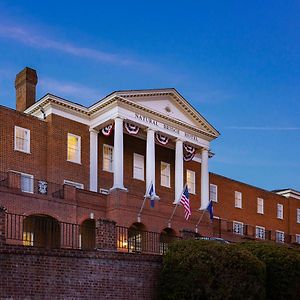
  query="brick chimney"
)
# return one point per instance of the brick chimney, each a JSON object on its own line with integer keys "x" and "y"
{"x": 25, "y": 84}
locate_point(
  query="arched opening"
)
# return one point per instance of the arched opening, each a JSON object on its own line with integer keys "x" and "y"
{"x": 136, "y": 237}
{"x": 41, "y": 231}
{"x": 167, "y": 236}
{"x": 88, "y": 234}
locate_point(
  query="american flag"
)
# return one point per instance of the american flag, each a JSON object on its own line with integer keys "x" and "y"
{"x": 185, "y": 201}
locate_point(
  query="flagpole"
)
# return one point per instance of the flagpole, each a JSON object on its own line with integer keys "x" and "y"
{"x": 200, "y": 219}
{"x": 169, "y": 221}
{"x": 143, "y": 204}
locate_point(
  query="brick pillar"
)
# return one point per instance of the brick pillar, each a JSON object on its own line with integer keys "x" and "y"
{"x": 14, "y": 180}
{"x": 188, "y": 234}
{"x": 2, "y": 224}
{"x": 106, "y": 235}
{"x": 69, "y": 192}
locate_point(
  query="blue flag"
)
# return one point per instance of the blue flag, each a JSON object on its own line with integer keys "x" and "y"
{"x": 152, "y": 196}
{"x": 210, "y": 210}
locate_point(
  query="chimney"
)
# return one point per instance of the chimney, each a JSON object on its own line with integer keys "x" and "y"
{"x": 25, "y": 84}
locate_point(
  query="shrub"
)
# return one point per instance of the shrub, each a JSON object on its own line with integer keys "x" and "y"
{"x": 282, "y": 268}
{"x": 210, "y": 270}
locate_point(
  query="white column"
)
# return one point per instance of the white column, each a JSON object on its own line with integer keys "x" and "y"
{"x": 118, "y": 160}
{"x": 178, "y": 169}
{"x": 204, "y": 179}
{"x": 150, "y": 159}
{"x": 93, "y": 160}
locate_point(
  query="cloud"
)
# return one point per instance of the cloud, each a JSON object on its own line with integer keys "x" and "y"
{"x": 263, "y": 128}
{"x": 69, "y": 89}
{"x": 41, "y": 41}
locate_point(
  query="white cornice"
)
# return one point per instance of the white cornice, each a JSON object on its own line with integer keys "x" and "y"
{"x": 289, "y": 193}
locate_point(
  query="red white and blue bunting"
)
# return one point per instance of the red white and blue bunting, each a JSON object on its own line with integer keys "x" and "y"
{"x": 162, "y": 139}
{"x": 131, "y": 128}
{"x": 107, "y": 130}
{"x": 189, "y": 152}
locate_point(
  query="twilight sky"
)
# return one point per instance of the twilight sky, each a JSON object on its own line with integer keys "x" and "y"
{"x": 237, "y": 62}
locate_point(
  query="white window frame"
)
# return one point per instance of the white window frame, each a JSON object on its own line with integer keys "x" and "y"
{"x": 75, "y": 184}
{"x": 279, "y": 236}
{"x": 238, "y": 199}
{"x": 211, "y": 185}
{"x": 138, "y": 166}
{"x": 260, "y": 232}
{"x": 280, "y": 211}
{"x": 26, "y": 141}
{"x": 192, "y": 186}
{"x": 111, "y": 160}
{"x": 168, "y": 168}
{"x": 260, "y": 206}
{"x": 77, "y": 160}
{"x": 236, "y": 226}
{"x": 298, "y": 215}
{"x": 31, "y": 177}
{"x": 297, "y": 238}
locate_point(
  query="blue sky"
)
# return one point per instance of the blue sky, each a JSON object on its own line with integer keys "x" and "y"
{"x": 237, "y": 62}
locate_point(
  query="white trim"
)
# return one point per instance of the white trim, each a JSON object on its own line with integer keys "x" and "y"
{"x": 263, "y": 229}
{"x": 238, "y": 196}
{"x": 193, "y": 173}
{"x": 262, "y": 206}
{"x": 75, "y": 184}
{"x": 237, "y": 223}
{"x": 298, "y": 215}
{"x": 26, "y": 175}
{"x": 276, "y": 236}
{"x": 280, "y": 211}
{"x": 112, "y": 158}
{"x": 297, "y": 238}
{"x": 141, "y": 158}
{"x": 27, "y": 145}
{"x": 78, "y": 159}
{"x": 168, "y": 168}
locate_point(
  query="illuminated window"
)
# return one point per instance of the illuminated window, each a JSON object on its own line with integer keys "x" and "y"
{"x": 213, "y": 192}
{"x": 22, "y": 139}
{"x": 138, "y": 166}
{"x": 260, "y": 232}
{"x": 28, "y": 238}
{"x": 165, "y": 174}
{"x": 238, "y": 227}
{"x": 191, "y": 182}
{"x": 75, "y": 184}
{"x": 108, "y": 158}
{"x": 74, "y": 148}
{"x": 260, "y": 205}
{"x": 279, "y": 236}
{"x": 26, "y": 183}
{"x": 238, "y": 199}
{"x": 279, "y": 211}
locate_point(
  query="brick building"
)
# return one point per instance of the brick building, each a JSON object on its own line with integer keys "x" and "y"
{"x": 67, "y": 163}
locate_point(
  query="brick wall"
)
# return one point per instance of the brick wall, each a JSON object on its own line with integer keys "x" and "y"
{"x": 34, "y": 273}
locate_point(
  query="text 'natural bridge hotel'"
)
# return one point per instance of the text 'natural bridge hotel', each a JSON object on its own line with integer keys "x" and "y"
{"x": 64, "y": 163}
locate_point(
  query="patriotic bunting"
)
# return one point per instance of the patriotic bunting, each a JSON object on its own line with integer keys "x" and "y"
{"x": 189, "y": 152}
{"x": 189, "y": 149}
{"x": 107, "y": 130}
{"x": 188, "y": 156}
{"x": 162, "y": 139}
{"x": 131, "y": 128}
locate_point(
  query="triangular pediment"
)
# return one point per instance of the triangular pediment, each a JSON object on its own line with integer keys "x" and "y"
{"x": 170, "y": 103}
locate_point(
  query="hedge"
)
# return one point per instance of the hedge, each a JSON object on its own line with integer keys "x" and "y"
{"x": 282, "y": 268}
{"x": 210, "y": 270}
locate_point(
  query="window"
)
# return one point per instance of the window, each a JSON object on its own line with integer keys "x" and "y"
{"x": 279, "y": 236}
{"x": 165, "y": 174}
{"x": 22, "y": 139}
{"x": 260, "y": 205}
{"x": 298, "y": 215}
{"x": 191, "y": 182}
{"x": 138, "y": 166}
{"x": 108, "y": 158}
{"x": 298, "y": 238}
{"x": 26, "y": 183}
{"x": 260, "y": 232}
{"x": 213, "y": 192}
{"x": 279, "y": 211}
{"x": 74, "y": 148}
{"x": 28, "y": 238}
{"x": 238, "y": 227}
{"x": 238, "y": 199}
{"x": 75, "y": 184}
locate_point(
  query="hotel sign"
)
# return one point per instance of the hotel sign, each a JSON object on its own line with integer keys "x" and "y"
{"x": 169, "y": 128}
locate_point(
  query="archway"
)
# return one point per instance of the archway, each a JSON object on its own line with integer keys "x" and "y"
{"x": 41, "y": 231}
{"x": 88, "y": 234}
{"x": 167, "y": 236}
{"x": 136, "y": 237}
